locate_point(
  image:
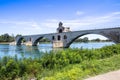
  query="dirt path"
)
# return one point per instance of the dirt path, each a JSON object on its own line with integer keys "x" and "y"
{"x": 115, "y": 75}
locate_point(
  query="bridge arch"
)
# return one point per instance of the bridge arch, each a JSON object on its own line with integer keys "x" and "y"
{"x": 20, "y": 40}
{"x": 35, "y": 42}
{"x": 77, "y": 36}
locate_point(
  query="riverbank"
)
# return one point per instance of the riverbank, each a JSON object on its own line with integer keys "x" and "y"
{"x": 68, "y": 64}
{"x": 5, "y": 42}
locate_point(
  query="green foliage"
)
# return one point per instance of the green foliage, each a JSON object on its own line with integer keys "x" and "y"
{"x": 85, "y": 39}
{"x": 86, "y": 69}
{"x": 75, "y": 56}
{"x": 96, "y": 40}
{"x": 10, "y": 70}
{"x": 6, "y": 38}
{"x": 68, "y": 64}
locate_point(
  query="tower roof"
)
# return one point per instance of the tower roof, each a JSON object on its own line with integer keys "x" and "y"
{"x": 60, "y": 24}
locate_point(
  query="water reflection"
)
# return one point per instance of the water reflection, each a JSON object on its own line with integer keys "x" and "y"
{"x": 37, "y": 51}
{"x": 4, "y": 49}
{"x": 90, "y": 45}
{"x": 28, "y": 51}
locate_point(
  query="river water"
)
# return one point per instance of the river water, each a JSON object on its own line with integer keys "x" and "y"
{"x": 29, "y": 51}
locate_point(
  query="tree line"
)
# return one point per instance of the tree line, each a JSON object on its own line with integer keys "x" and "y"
{"x": 7, "y": 38}
{"x": 86, "y": 39}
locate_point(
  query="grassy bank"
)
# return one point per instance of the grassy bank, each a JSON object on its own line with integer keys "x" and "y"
{"x": 68, "y": 64}
{"x": 85, "y": 69}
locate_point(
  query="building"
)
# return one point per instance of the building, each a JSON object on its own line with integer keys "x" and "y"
{"x": 61, "y": 28}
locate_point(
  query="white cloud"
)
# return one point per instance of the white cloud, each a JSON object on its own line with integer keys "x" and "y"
{"x": 50, "y": 25}
{"x": 116, "y": 13}
{"x": 14, "y": 22}
{"x": 21, "y": 27}
{"x": 89, "y": 22}
{"x": 79, "y": 13}
{"x": 23, "y": 24}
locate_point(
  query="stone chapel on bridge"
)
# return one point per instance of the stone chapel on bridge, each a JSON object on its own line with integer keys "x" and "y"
{"x": 61, "y": 28}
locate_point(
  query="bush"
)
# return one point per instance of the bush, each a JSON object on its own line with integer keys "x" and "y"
{"x": 11, "y": 68}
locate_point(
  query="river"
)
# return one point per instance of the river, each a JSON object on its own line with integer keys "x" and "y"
{"x": 27, "y": 51}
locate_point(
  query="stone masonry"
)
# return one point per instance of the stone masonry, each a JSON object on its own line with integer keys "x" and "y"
{"x": 64, "y": 37}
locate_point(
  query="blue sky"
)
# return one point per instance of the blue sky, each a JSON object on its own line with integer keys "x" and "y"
{"x": 42, "y": 16}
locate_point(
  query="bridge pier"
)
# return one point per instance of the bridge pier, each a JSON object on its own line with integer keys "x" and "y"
{"x": 57, "y": 44}
{"x": 28, "y": 43}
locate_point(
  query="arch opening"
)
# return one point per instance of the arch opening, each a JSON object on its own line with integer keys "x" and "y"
{"x": 42, "y": 42}
{"x": 21, "y": 41}
{"x": 88, "y": 40}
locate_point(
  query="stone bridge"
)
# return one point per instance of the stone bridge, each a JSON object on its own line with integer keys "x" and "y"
{"x": 64, "y": 37}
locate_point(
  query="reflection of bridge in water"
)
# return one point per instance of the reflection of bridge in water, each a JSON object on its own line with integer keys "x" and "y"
{"x": 64, "y": 37}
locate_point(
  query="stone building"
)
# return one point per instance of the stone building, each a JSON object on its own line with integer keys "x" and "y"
{"x": 61, "y": 28}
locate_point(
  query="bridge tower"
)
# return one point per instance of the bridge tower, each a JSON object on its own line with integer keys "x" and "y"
{"x": 59, "y": 40}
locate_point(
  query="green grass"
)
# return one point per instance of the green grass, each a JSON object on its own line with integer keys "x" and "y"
{"x": 68, "y": 64}
{"x": 85, "y": 69}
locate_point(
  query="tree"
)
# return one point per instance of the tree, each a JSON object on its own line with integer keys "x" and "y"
{"x": 98, "y": 40}
{"x": 12, "y": 69}
{"x": 79, "y": 40}
{"x": 85, "y": 39}
{"x": 6, "y": 38}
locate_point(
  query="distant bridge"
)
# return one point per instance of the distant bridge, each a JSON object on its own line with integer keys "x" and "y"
{"x": 64, "y": 37}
